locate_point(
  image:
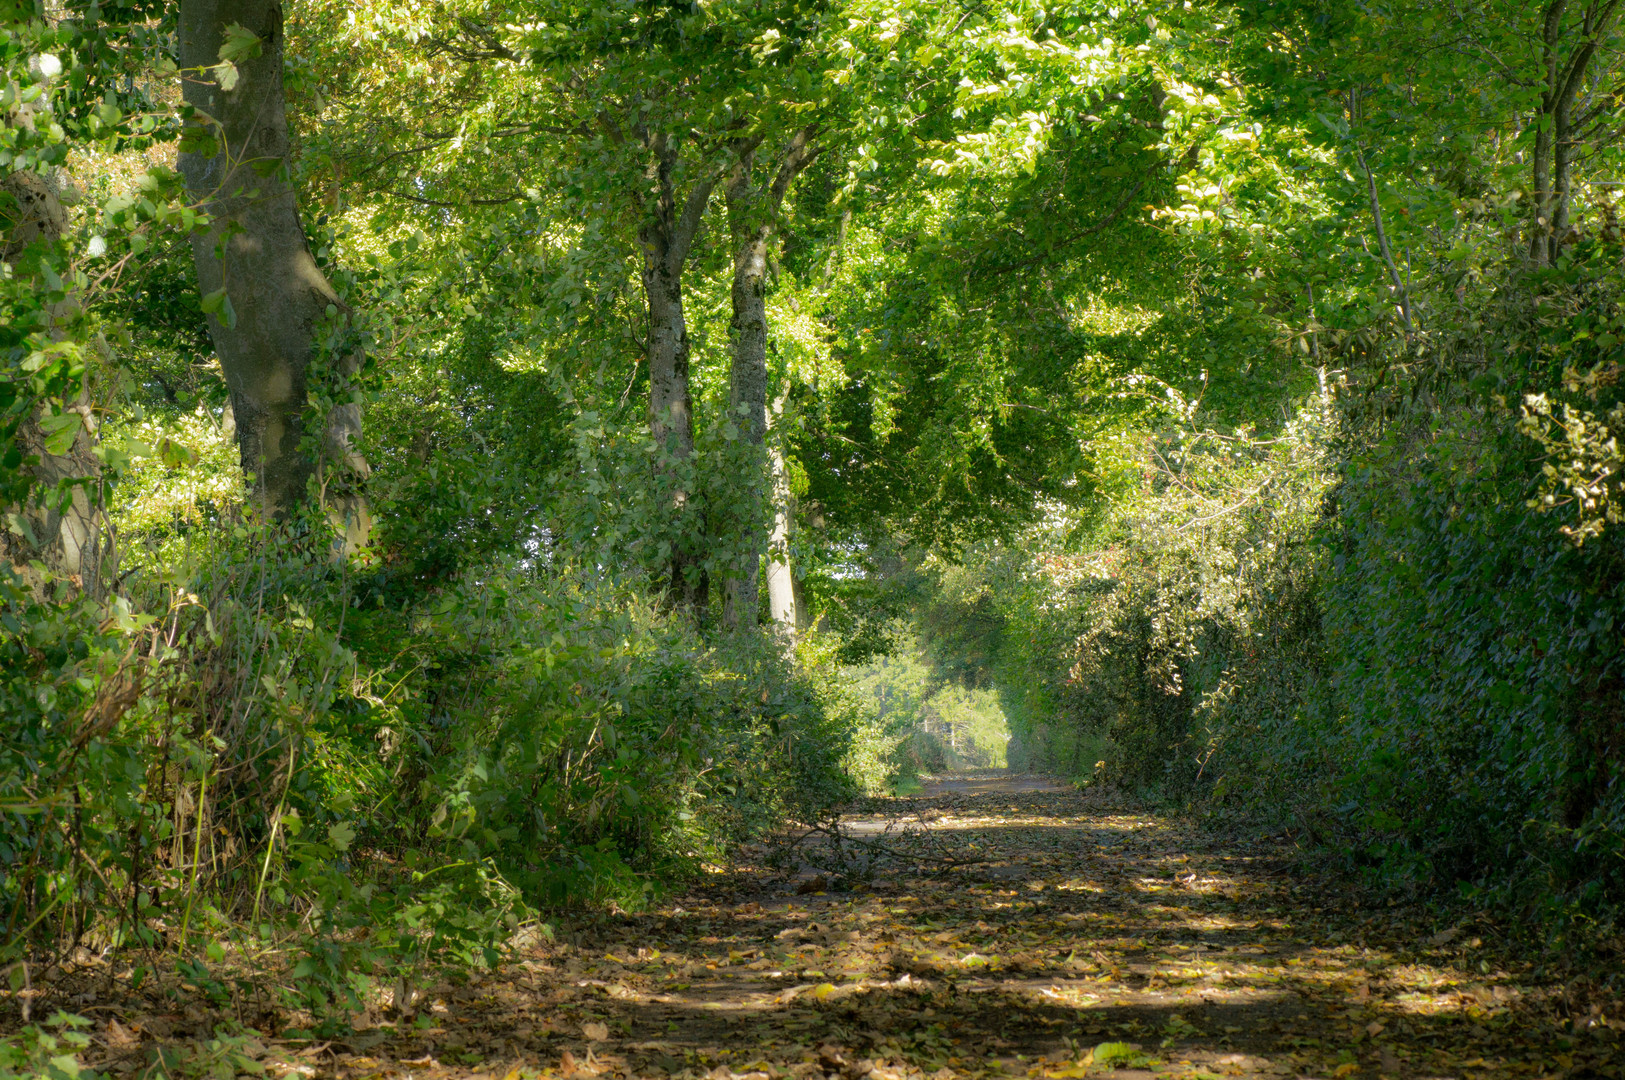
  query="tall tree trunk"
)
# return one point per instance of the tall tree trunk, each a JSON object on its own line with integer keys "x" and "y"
{"x": 666, "y": 239}
{"x": 1541, "y": 167}
{"x": 752, "y": 217}
{"x": 747, "y": 376}
{"x": 255, "y": 250}
{"x": 671, "y": 405}
{"x": 61, "y": 527}
{"x": 1564, "y": 148}
{"x": 1559, "y": 136}
{"x": 781, "y": 589}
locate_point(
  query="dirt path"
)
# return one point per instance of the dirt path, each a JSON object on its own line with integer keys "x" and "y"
{"x": 1084, "y": 938}
{"x": 1083, "y": 924}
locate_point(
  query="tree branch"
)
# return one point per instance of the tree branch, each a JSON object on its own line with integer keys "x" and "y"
{"x": 800, "y": 153}
{"x": 1382, "y": 243}
{"x": 683, "y": 233}
{"x": 1569, "y": 83}
{"x": 455, "y": 205}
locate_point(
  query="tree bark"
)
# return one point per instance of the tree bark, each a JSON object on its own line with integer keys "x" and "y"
{"x": 255, "y": 249}
{"x": 1558, "y": 139}
{"x": 781, "y": 591}
{"x": 1541, "y": 167}
{"x": 747, "y": 376}
{"x": 752, "y": 218}
{"x": 666, "y": 240}
{"x": 65, "y": 530}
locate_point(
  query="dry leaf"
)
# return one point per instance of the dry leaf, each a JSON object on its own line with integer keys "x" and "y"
{"x": 1088, "y": 913}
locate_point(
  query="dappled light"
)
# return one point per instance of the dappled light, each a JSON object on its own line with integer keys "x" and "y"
{"x": 1202, "y": 956}
{"x": 812, "y": 539}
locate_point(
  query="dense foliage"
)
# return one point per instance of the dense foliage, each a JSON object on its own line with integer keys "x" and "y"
{"x": 1384, "y": 614}
{"x": 451, "y": 450}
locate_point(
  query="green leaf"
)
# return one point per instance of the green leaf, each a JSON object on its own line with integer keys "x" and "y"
{"x": 240, "y": 44}
{"x": 1112, "y": 1052}
{"x": 60, "y": 431}
{"x": 174, "y": 455}
{"x": 341, "y": 836}
{"x": 66, "y": 1065}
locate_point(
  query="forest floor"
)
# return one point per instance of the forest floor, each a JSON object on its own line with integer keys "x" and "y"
{"x": 997, "y": 924}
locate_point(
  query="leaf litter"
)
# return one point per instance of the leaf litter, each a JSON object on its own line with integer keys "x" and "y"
{"x": 996, "y": 924}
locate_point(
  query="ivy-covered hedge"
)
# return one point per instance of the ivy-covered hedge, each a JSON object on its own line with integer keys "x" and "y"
{"x": 1393, "y": 625}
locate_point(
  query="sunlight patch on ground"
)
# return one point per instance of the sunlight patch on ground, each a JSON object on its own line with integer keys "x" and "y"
{"x": 1083, "y": 941}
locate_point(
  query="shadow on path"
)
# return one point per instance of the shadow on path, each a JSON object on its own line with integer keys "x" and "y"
{"x": 1081, "y": 922}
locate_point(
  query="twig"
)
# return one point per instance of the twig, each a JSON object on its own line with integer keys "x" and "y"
{"x": 1400, "y": 291}
{"x": 876, "y": 845}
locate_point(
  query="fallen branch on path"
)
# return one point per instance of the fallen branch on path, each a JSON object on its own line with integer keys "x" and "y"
{"x": 835, "y": 833}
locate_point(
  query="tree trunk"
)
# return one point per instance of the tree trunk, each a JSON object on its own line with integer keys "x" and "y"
{"x": 255, "y": 250}
{"x": 747, "y": 379}
{"x": 671, "y": 425}
{"x": 781, "y": 591}
{"x": 666, "y": 240}
{"x": 1558, "y": 136}
{"x": 1541, "y": 167}
{"x": 60, "y": 526}
{"x": 671, "y": 406}
{"x": 752, "y": 216}
{"x": 1563, "y": 152}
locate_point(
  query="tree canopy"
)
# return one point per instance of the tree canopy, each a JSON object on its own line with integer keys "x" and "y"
{"x": 525, "y": 449}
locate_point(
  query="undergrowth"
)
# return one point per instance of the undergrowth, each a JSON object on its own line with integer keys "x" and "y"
{"x": 1389, "y": 624}
{"x": 257, "y": 749}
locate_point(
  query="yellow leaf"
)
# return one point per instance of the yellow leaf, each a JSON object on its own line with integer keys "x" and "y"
{"x": 1344, "y": 1069}
{"x": 823, "y": 990}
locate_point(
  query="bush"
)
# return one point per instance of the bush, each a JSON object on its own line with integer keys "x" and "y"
{"x": 595, "y": 748}
{"x": 257, "y": 741}
{"x": 1392, "y": 626}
